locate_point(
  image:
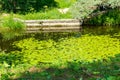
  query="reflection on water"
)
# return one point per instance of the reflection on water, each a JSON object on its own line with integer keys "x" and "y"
{"x": 114, "y": 31}
{"x": 101, "y": 30}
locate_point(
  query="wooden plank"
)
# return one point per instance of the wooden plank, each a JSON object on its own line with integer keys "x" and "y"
{"x": 54, "y": 29}
{"x": 75, "y": 30}
{"x": 53, "y": 24}
{"x": 52, "y": 21}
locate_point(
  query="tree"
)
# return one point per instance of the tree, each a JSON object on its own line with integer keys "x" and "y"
{"x": 83, "y": 8}
{"x": 25, "y": 5}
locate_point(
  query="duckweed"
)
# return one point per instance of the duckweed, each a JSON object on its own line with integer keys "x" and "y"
{"x": 84, "y": 49}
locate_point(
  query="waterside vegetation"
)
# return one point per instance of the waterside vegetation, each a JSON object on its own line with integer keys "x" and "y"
{"x": 93, "y": 54}
{"x": 9, "y": 28}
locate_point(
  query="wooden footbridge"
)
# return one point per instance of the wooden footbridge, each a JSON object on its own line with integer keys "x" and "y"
{"x": 55, "y": 25}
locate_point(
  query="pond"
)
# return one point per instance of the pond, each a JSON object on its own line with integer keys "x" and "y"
{"x": 101, "y": 30}
{"x": 114, "y": 31}
{"x": 94, "y": 51}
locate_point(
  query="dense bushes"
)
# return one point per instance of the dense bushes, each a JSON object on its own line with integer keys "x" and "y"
{"x": 25, "y": 5}
{"x": 110, "y": 18}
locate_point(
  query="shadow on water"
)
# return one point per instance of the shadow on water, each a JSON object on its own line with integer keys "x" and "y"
{"x": 101, "y": 30}
{"x": 113, "y": 31}
{"x": 6, "y": 45}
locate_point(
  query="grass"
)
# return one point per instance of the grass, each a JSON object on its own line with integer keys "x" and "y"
{"x": 49, "y": 14}
{"x": 65, "y": 3}
{"x": 10, "y": 28}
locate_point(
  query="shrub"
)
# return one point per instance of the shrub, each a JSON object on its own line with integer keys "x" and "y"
{"x": 111, "y": 18}
{"x": 10, "y": 27}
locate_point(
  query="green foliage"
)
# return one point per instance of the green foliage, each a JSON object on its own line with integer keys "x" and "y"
{"x": 84, "y": 49}
{"x": 110, "y": 18}
{"x": 83, "y": 8}
{"x": 26, "y": 5}
{"x": 92, "y": 55}
{"x": 65, "y": 3}
{"x": 48, "y": 14}
{"x": 10, "y": 27}
{"x": 95, "y": 55}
